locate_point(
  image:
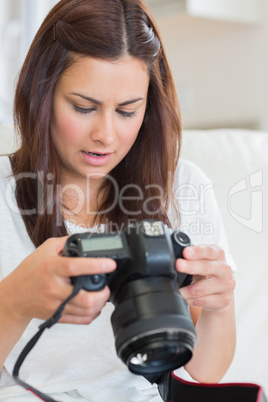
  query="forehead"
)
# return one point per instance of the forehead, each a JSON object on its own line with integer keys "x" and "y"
{"x": 122, "y": 78}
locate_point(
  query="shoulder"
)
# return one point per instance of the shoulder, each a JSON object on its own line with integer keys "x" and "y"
{"x": 15, "y": 243}
{"x": 7, "y": 186}
{"x": 191, "y": 186}
{"x": 199, "y": 213}
{"x": 5, "y": 167}
{"x": 8, "y": 204}
{"x": 189, "y": 172}
{"x": 193, "y": 190}
{"x": 5, "y": 172}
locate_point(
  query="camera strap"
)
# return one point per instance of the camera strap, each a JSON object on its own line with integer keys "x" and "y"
{"x": 174, "y": 389}
{"x": 29, "y": 346}
{"x": 171, "y": 388}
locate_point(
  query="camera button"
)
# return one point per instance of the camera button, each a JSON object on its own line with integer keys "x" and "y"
{"x": 96, "y": 279}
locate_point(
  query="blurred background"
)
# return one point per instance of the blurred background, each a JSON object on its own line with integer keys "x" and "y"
{"x": 19, "y": 21}
{"x": 218, "y": 52}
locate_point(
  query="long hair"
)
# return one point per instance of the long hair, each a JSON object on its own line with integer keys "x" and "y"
{"x": 107, "y": 30}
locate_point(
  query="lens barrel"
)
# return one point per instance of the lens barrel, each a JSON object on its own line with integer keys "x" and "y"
{"x": 152, "y": 326}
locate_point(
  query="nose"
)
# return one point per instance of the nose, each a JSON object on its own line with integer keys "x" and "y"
{"x": 104, "y": 130}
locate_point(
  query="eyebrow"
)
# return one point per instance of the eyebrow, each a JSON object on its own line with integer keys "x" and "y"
{"x": 97, "y": 102}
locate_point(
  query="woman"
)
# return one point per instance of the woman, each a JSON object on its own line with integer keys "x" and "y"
{"x": 100, "y": 129}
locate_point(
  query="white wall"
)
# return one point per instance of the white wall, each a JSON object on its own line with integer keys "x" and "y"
{"x": 220, "y": 70}
{"x": 19, "y": 21}
{"x": 9, "y": 32}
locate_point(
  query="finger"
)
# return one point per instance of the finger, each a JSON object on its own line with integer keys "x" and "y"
{"x": 78, "y": 320}
{"x": 87, "y": 305}
{"x": 212, "y": 302}
{"x": 82, "y": 311}
{"x": 205, "y": 288}
{"x": 74, "y": 266}
{"x": 78, "y": 311}
{"x": 200, "y": 267}
{"x": 203, "y": 252}
{"x": 62, "y": 287}
{"x": 85, "y": 300}
{"x": 55, "y": 244}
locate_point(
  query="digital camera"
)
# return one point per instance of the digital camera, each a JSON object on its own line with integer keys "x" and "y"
{"x": 151, "y": 322}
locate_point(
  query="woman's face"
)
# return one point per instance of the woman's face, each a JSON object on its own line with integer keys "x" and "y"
{"x": 98, "y": 110}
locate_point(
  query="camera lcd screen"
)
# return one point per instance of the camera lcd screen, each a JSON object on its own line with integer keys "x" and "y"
{"x": 102, "y": 243}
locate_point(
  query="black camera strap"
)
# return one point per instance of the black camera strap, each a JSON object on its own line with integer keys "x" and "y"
{"x": 29, "y": 346}
{"x": 174, "y": 389}
{"x": 171, "y": 388}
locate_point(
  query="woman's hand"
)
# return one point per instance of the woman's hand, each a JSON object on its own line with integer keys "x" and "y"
{"x": 213, "y": 283}
{"x": 212, "y": 290}
{"x": 42, "y": 282}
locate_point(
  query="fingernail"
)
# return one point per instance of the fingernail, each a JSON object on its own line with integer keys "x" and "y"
{"x": 109, "y": 264}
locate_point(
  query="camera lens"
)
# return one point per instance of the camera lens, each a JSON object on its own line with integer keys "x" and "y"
{"x": 152, "y": 327}
{"x": 158, "y": 353}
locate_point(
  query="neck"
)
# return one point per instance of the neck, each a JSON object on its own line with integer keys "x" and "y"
{"x": 81, "y": 201}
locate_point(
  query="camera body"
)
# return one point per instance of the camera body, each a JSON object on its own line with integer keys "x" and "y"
{"x": 145, "y": 248}
{"x": 151, "y": 322}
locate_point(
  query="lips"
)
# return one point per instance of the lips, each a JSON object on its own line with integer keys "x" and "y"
{"x": 95, "y": 154}
{"x": 96, "y": 158}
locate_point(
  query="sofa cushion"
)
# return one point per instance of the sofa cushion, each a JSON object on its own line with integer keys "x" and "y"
{"x": 237, "y": 163}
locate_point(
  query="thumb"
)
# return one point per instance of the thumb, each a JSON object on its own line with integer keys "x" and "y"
{"x": 56, "y": 244}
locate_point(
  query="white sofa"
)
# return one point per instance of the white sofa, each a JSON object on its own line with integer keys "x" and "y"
{"x": 237, "y": 163}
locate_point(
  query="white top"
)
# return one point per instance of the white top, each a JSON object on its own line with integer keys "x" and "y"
{"x": 79, "y": 362}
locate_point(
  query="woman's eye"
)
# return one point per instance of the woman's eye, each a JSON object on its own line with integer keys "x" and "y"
{"x": 83, "y": 110}
{"x": 126, "y": 114}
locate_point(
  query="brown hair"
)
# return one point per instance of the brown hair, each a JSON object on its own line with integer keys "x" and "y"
{"x": 108, "y": 30}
